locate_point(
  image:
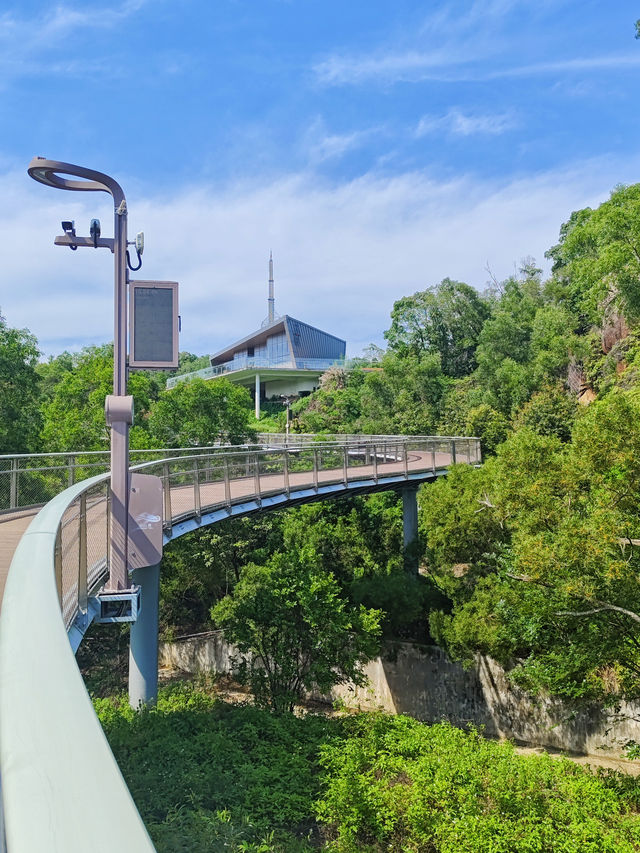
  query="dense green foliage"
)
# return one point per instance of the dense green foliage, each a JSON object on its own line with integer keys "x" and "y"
{"x": 296, "y": 627}
{"x": 209, "y": 776}
{"x": 550, "y": 581}
{"x": 201, "y": 413}
{"x": 398, "y": 785}
{"x": 19, "y": 411}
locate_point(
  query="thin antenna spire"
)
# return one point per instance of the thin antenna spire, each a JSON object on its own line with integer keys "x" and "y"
{"x": 271, "y": 301}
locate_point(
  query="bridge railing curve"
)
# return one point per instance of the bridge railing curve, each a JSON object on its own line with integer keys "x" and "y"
{"x": 59, "y": 778}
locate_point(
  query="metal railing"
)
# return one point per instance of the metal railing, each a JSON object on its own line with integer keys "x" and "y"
{"x": 63, "y": 557}
{"x": 256, "y": 362}
{"x": 31, "y": 479}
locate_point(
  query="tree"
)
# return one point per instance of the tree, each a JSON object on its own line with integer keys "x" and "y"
{"x": 297, "y": 630}
{"x": 199, "y": 413}
{"x": 597, "y": 259}
{"x": 188, "y": 362}
{"x": 445, "y": 319}
{"x": 76, "y": 389}
{"x": 488, "y": 425}
{"x": 553, "y": 588}
{"x": 550, "y": 411}
{"x": 404, "y": 397}
{"x": 19, "y": 390}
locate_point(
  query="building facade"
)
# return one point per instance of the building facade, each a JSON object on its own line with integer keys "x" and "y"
{"x": 283, "y": 358}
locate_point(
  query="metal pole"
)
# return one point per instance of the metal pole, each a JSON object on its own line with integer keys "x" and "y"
{"x": 196, "y": 490}
{"x": 166, "y": 492}
{"x": 82, "y": 554}
{"x": 143, "y": 644}
{"x": 257, "y": 400}
{"x": 122, "y": 416}
{"x": 13, "y": 488}
{"x": 287, "y": 487}
{"x": 410, "y": 528}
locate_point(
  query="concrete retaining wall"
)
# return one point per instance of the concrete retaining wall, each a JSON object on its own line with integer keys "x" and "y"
{"x": 422, "y": 682}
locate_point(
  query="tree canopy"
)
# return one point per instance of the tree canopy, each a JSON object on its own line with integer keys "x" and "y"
{"x": 20, "y": 415}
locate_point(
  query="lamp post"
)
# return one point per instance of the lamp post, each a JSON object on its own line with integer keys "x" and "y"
{"x": 288, "y": 399}
{"x": 118, "y": 406}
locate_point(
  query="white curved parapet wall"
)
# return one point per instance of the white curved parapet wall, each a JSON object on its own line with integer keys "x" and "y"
{"x": 61, "y": 787}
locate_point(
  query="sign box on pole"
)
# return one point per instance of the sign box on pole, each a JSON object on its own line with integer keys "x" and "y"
{"x": 153, "y": 310}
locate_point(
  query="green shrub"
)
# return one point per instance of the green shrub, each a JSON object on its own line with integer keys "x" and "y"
{"x": 208, "y": 776}
{"x": 399, "y": 785}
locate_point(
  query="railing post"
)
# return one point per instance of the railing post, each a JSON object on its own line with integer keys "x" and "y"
{"x": 315, "y": 468}
{"x": 433, "y": 457}
{"x": 406, "y": 460}
{"x": 108, "y": 514}
{"x": 345, "y": 464}
{"x": 285, "y": 459}
{"x": 13, "y": 490}
{"x": 196, "y": 490}
{"x": 453, "y": 452}
{"x": 227, "y": 484}
{"x": 374, "y": 459}
{"x": 257, "y": 476}
{"x": 82, "y": 554}
{"x": 166, "y": 491}
{"x": 71, "y": 464}
{"x": 58, "y": 563}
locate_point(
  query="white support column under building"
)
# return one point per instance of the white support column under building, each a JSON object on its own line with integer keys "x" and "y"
{"x": 257, "y": 401}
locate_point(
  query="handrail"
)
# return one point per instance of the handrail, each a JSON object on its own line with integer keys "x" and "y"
{"x": 58, "y": 771}
{"x": 31, "y": 479}
{"x": 62, "y": 789}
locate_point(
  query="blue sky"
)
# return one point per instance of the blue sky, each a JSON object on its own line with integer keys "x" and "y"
{"x": 374, "y": 146}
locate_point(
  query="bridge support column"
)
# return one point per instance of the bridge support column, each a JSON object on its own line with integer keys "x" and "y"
{"x": 257, "y": 400}
{"x": 143, "y": 643}
{"x": 410, "y": 528}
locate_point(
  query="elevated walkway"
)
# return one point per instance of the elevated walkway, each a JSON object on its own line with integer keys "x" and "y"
{"x": 62, "y": 789}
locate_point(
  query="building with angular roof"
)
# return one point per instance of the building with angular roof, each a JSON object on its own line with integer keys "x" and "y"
{"x": 283, "y": 358}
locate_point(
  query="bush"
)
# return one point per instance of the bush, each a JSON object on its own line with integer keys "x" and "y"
{"x": 400, "y": 785}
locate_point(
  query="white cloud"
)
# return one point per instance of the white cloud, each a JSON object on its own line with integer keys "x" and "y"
{"x": 322, "y": 145}
{"x": 449, "y": 66}
{"x": 342, "y": 253}
{"x": 465, "y": 41}
{"x": 460, "y": 124}
{"x": 26, "y": 45}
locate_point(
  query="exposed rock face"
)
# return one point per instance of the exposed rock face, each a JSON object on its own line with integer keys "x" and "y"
{"x": 577, "y": 383}
{"x": 614, "y": 328}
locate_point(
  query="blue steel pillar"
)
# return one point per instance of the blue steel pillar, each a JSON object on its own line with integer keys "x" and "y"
{"x": 410, "y": 528}
{"x": 143, "y": 643}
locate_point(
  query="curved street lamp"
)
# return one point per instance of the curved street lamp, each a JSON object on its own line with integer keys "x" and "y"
{"x": 118, "y": 406}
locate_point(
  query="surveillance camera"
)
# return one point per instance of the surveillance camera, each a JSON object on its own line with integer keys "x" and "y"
{"x": 94, "y": 231}
{"x": 68, "y": 227}
{"x": 140, "y": 242}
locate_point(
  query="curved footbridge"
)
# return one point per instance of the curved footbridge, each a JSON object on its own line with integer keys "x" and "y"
{"x": 61, "y": 787}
